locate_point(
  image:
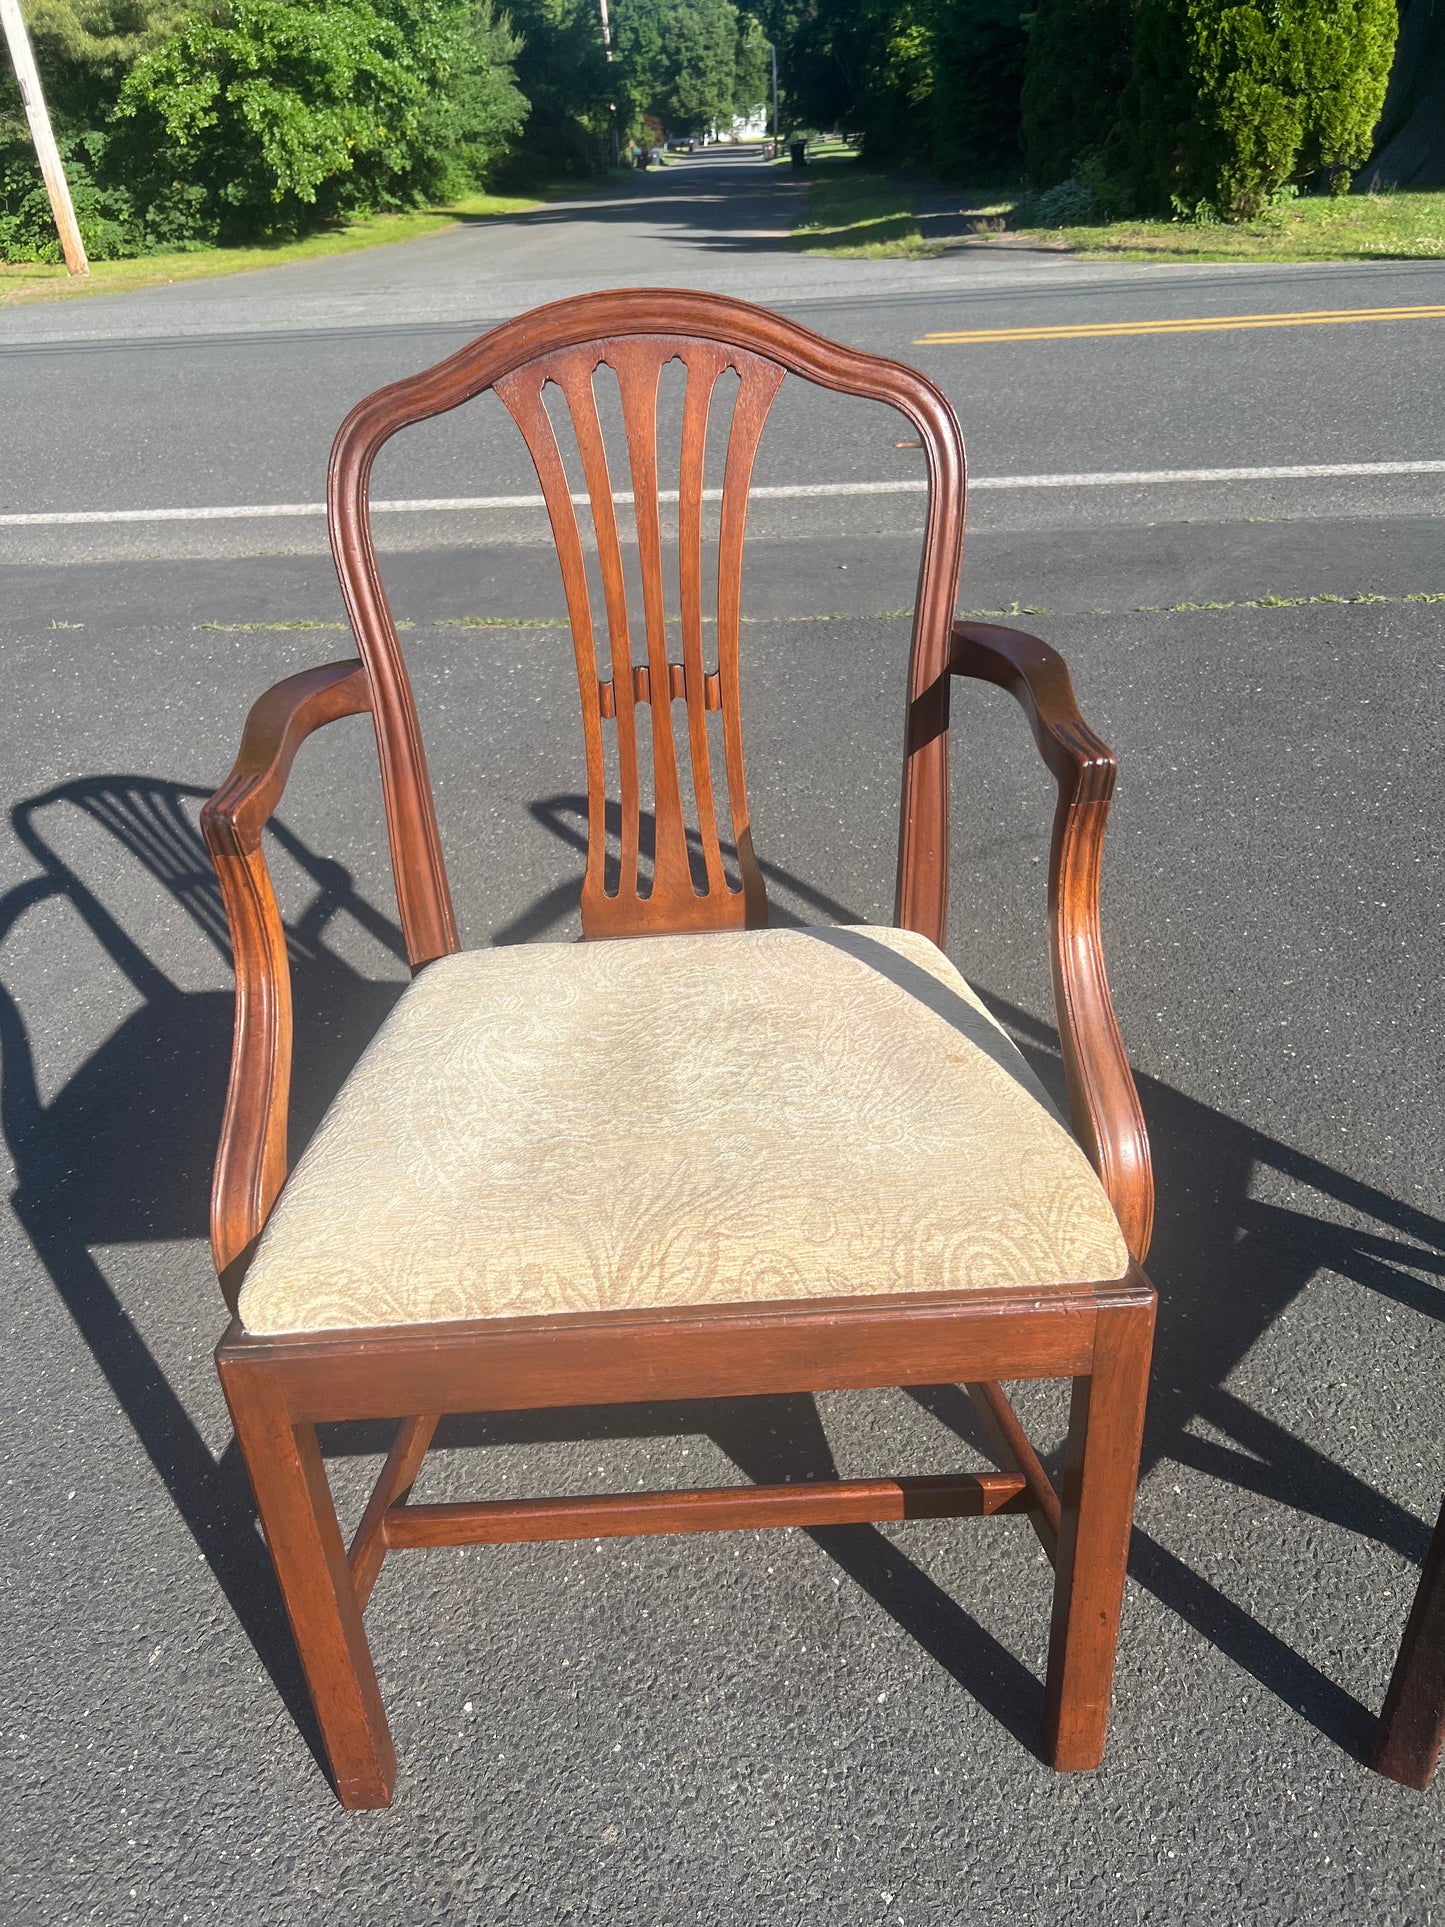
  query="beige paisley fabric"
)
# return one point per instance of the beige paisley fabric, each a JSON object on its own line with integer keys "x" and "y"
{"x": 769, "y": 1114}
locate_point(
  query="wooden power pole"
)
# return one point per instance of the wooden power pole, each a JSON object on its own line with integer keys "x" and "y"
{"x": 48, "y": 154}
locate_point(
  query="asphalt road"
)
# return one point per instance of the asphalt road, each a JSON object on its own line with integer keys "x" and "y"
{"x": 828, "y": 1727}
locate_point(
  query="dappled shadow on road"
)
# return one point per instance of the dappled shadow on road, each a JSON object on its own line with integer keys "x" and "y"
{"x": 731, "y": 205}
{"x": 120, "y": 1153}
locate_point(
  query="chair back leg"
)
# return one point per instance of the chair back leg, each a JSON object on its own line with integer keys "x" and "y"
{"x": 1412, "y": 1724}
{"x": 298, "y": 1517}
{"x": 1101, "y": 1470}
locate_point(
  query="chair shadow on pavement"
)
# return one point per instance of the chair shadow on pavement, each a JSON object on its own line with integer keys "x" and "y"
{"x": 1227, "y": 1264}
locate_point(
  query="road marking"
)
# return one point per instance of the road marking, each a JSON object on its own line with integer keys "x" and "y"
{"x": 902, "y": 485}
{"x": 1208, "y": 324}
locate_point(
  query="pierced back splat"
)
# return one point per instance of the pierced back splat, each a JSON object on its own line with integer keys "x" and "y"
{"x": 637, "y": 331}
{"x": 612, "y": 692}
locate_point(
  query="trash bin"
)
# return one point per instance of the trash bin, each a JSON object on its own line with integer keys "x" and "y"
{"x": 798, "y": 155}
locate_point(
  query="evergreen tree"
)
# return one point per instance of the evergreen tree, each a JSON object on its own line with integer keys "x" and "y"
{"x": 979, "y": 62}
{"x": 1228, "y": 102}
{"x": 1346, "y": 54}
{"x": 1076, "y": 69}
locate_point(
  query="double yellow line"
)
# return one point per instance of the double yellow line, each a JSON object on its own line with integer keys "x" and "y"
{"x": 1205, "y": 324}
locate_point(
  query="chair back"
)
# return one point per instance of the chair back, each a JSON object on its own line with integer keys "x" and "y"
{"x": 699, "y": 878}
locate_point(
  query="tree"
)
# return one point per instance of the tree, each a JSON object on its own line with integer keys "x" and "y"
{"x": 85, "y": 49}
{"x": 932, "y": 81}
{"x": 563, "y": 73}
{"x": 679, "y": 60}
{"x": 286, "y": 112}
{"x": 979, "y": 57}
{"x": 1076, "y": 69}
{"x": 1347, "y": 52}
{"x": 821, "y": 47}
{"x": 753, "y": 81}
{"x": 699, "y": 65}
{"x": 1229, "y": 102}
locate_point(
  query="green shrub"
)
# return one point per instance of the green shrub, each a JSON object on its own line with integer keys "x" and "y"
{"x": 254, "y": 118}
{"x": 1346, "y": 56}
{"x": 292, "y": 112}
{"x": 107, "y": 219}
{"x": 1228, "y": 102}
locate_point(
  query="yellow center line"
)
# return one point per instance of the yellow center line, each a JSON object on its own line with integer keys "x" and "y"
{"x": 1213, "y": 324}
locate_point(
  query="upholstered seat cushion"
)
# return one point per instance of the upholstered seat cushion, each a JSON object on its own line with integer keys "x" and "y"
{"x": 768, "y": 1115}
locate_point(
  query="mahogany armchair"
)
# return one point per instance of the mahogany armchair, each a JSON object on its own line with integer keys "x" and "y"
{"x": 724, "y": 1160}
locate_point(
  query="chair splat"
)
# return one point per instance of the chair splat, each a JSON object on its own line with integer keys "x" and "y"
{"x": 674, "y": 901}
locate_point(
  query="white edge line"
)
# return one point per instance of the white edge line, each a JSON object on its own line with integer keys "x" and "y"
{"x": 1113, "y": 478}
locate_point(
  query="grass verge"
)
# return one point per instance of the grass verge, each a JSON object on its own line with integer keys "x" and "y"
{"x": 856, "y": 213}
{"x": 1013, "y": 611}
{"x": 1354, "y": 227}
{"x": 37, "y": 281}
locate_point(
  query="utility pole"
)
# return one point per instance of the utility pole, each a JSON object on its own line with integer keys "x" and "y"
{"x": 46, "y": 152}
{"x": 774, "y": 52}
{"x": 612, "y": 104}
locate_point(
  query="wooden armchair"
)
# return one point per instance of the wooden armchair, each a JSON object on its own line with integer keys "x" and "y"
{"x": 727, "y": 1160}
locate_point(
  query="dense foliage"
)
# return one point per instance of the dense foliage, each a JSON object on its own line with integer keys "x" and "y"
{"x": 255, "y": 118}
{"x": 931, "y": 81}
{"x": 561, "y": 70}
{"x": 186, "y": 122}
{"x": 1148, "y": 105}
{"x": 692, "y": 64}
{"x": 686, "y": 65}
{"x": 285, "y": 111}
{"x": 1078, "y": 67}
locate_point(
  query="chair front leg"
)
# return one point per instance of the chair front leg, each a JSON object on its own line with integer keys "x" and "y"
{"x": 1101, "y": 1471}
{"x": 299, "y": 1520}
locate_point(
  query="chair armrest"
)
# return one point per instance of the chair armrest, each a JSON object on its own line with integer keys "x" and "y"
{"x": 251, "y": 1155}
{"x": 1103, "y": 1101}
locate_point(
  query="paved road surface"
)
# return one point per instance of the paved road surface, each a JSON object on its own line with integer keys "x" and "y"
{"x": 833, "y": 1727}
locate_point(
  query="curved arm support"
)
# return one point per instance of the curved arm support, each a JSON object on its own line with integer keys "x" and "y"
{"x": 1103, "y": 1101}
{"x": 251, "y": 1156}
